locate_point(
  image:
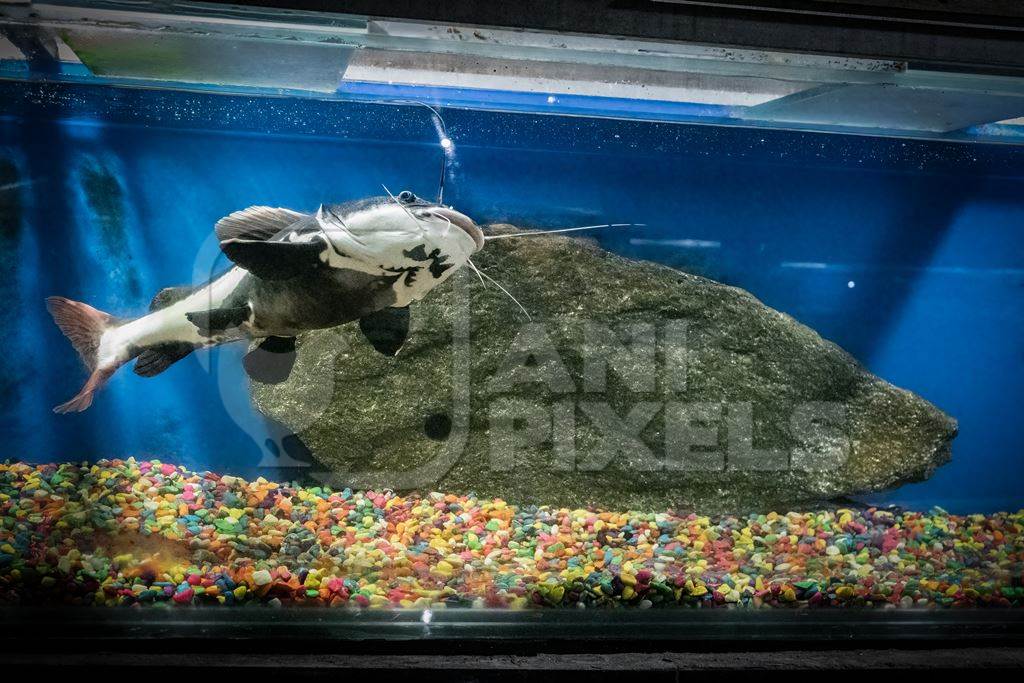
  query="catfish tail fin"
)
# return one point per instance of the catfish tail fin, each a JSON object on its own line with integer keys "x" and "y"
{"x": 84, "y": 326}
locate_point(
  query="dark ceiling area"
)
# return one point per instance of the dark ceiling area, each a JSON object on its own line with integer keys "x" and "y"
{"x": 968, "y": 35}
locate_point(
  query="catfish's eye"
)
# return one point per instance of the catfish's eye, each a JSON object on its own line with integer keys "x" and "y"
{"x": 406, "y": 197}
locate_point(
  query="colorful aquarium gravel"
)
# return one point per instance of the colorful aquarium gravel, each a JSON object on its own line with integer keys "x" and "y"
{"x": 126, "y": 532}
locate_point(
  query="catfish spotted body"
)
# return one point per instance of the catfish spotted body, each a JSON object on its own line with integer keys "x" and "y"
{"x": 364, "y": 260}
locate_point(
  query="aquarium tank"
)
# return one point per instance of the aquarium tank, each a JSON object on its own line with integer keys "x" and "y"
{"x": 402, "y": 328}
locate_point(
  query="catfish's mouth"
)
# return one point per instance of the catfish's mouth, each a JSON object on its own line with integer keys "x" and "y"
{"x": 464, "y": 223}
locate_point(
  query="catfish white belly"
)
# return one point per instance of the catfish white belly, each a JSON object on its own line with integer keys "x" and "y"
{"x": 169, "y": 322}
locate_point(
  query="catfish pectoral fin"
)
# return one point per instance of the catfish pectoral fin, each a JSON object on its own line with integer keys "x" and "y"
{"x": 271, "y": 362}
{"x": 386, "y": 329}
{"x": 275, "y": 260}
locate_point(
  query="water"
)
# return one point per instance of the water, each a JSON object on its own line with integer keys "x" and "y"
{"x": 906, "y": 253}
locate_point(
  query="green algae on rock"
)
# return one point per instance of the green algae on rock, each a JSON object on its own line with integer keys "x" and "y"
{"x": 634, "y": 385}
{"x": 105, "y": 199}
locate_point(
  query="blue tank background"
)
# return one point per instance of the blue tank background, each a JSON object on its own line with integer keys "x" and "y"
{"x": 907, "y": 253}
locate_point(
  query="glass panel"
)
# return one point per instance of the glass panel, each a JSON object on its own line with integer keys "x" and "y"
{"x": 776, "y": 369}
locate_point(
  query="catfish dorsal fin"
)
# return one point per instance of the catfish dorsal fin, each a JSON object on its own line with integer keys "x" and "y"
{"x": 255, "y": 223}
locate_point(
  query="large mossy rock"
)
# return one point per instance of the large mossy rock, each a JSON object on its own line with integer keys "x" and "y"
{"x": 634, "y": 386}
